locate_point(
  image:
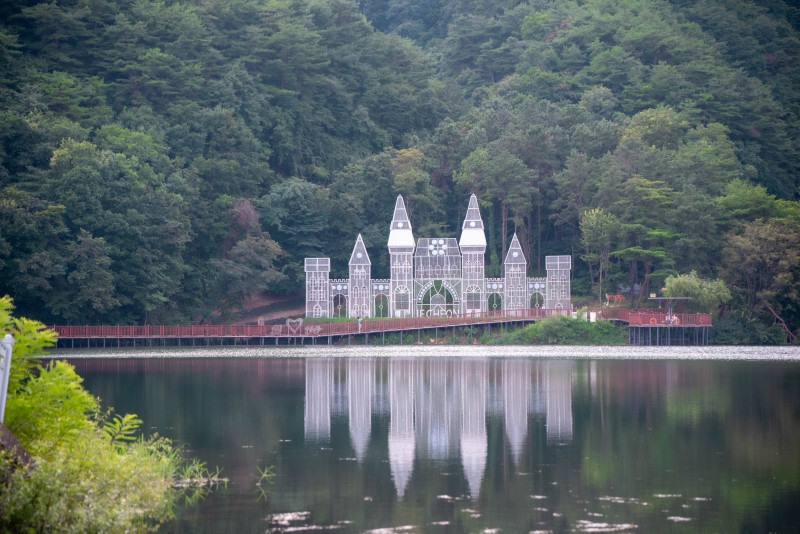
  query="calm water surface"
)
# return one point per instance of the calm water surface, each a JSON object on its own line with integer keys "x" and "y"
{"x": 476, "y": 439}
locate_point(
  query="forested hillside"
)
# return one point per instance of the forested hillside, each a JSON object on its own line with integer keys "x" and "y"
{"x": 160, "y": 160}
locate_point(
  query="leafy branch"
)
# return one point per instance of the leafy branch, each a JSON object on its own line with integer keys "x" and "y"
{"x": 265, "y": 476}
{"x": 122, "y": 429}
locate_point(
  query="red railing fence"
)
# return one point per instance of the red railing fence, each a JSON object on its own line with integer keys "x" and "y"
{"x": 299, "y": 328}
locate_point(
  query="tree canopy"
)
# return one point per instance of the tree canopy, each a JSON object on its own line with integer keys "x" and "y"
{"x": 160, "y": 161}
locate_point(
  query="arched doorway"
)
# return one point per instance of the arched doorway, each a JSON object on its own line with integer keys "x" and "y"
{"x": 339, "y": 305}
{"x": 495, "y": 303}
{"x": 438, "y": 301}
{"x": 381, "y": 306}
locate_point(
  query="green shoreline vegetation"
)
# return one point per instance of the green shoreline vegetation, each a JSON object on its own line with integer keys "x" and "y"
{"x": 554, "y": 330}
{"x": 90, "y": 471}
{"x": 561, "y": 330}
{"x": 734, "y": 328}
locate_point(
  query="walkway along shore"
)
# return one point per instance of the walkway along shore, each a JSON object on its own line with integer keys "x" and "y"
{"x": 646, "y": 327}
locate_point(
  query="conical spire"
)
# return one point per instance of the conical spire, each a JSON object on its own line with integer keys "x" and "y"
{"x": 401, "y": 237}
{"x": 359, "y": 255}
{"x": 515, "y": 255}
{"x": 473, "y": 218}
{"x": 472, "y": 234}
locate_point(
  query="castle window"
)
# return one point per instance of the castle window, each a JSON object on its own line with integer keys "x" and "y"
{"x": 402, "y": 300}
{"x": 473, "y": 301}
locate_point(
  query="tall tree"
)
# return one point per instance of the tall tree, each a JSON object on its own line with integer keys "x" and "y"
{"x": 706, "y": 294}
{"x": 599, "y": 230}
{"x": 763, "y": 268}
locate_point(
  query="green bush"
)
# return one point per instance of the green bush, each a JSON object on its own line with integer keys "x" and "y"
{"x": 88, "y": 485}
{"x": 90, "y": 472}
{"x": 739, "y": 328}
{"x": 561, "y": 330}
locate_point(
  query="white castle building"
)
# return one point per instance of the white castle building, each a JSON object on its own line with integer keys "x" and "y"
{"x": 435, "y": 277}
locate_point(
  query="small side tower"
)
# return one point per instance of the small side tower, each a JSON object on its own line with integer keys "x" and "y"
{"x": 401, "y": 253}
{"x": 558, "y": 282}
{"x": 360, "y": 281}
{"x": 473, "y": 250}
{"x": 515, "y": 267}
{"x": 318, "y": 300}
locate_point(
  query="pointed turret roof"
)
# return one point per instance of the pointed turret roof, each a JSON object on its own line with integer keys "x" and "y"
{"x": 472, "y": 234}
{"x": 515, "y": 255}
{"x": 359, "y": 255}
{"x": 401, "y": 237}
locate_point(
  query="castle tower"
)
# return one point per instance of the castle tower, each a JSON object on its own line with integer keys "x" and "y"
{"x": 473, "y": 248}
{"x": 401, "y": 253}
{"x": 515, "y": 267}
{"x": 317, "y": 287}
{"x": 558, "y": 282}
{"x": 360, "y": 284}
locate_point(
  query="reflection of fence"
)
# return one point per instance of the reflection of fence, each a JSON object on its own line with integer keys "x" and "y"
{"x": 307, "y": 330}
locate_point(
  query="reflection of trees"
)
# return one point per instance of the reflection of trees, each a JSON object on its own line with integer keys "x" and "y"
{"x": 725, "y": 432}
{"x": 217, "y": 406}
{"x": 764, "y": 425}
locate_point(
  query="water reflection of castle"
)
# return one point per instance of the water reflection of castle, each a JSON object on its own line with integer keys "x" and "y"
{"x": 438, "y": 408}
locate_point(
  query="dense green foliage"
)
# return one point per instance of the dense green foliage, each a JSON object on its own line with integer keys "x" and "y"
{"x": 91, "y": 473}
{"x": 706, "y": 295}
{"x": 562, "y": 330}
{"x": 163, "y": 160}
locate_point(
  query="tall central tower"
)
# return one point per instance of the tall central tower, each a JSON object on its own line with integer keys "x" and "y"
{"x": 473, "y": 249}
{"x": 401, "y": 254}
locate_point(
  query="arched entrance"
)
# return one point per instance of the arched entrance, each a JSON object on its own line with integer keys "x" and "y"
{"x": 495, "y": 302}
{"x": 339, "y": 305}
{"x": 381, "y": 306}
{"x": 438, "y": 301}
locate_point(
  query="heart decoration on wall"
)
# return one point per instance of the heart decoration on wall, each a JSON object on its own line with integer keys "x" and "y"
{"x": 294, "y": 325}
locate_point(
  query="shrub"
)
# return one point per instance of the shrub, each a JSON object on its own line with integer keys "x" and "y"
{"x": 739, "y": 328}
{"x": 90, "y": 472}
{"x": 561, "y": 330}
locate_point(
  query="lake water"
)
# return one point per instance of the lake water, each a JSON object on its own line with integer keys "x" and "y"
{"x": 476, "y": 439}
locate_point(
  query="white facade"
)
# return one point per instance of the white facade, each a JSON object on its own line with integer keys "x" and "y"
{"x": 435, "y": 277}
